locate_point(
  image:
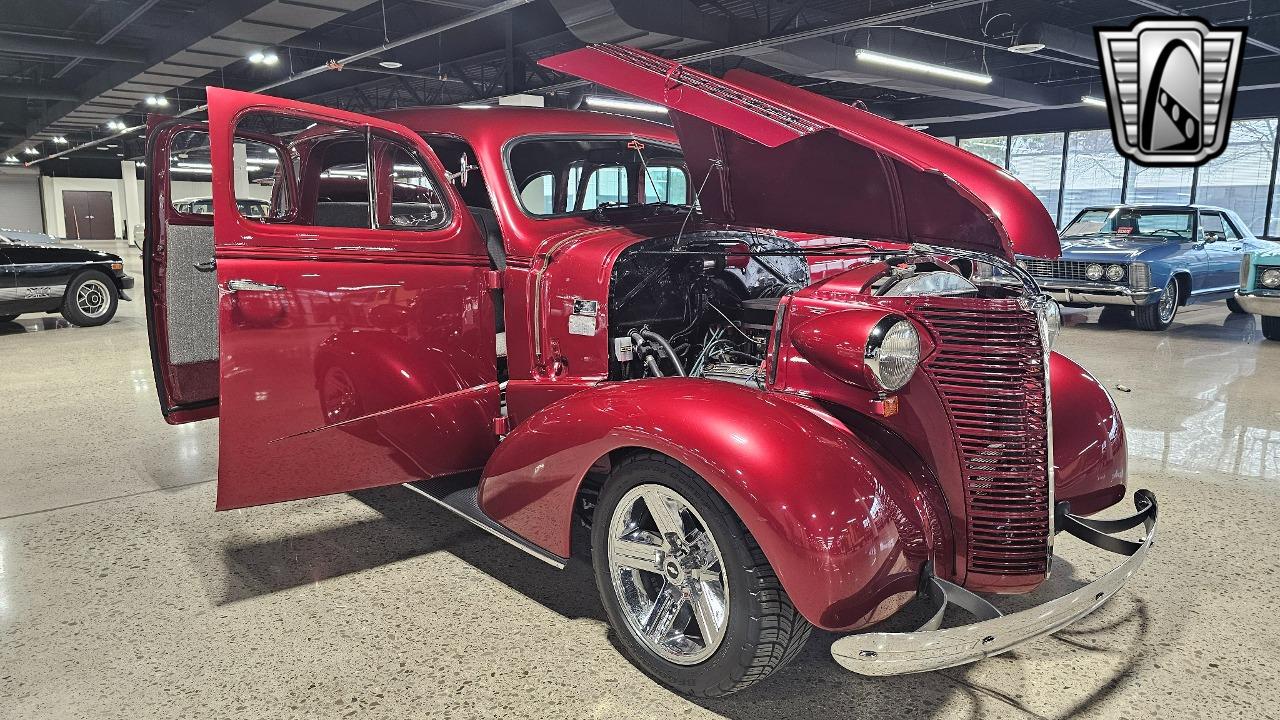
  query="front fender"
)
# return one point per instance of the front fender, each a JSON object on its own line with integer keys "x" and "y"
{"x": 1088, "y": 440}
{"x": 845, "y": 528}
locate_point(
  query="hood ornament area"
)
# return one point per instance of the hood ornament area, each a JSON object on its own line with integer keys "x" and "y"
{"x": 1170, "y": 87}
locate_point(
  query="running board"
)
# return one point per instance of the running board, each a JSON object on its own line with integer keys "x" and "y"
{"x": 465, "y": 502}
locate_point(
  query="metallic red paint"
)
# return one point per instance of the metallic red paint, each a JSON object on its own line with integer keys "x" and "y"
{"x": 374, "y": 365}
{"x": 1088, "y": 440}
{"x": 911, "y": 187}
{"x": 844, "y": 527}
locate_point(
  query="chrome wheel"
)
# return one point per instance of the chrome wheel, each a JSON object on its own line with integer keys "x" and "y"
{"x": 1169, "y": 302}
{"x": 93, "y": 298}
{"x": 668, "y": 574}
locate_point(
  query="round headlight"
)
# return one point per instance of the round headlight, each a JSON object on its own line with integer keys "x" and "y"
{"x": 1270, "y": 278}
{"x": 1093, "y": 272}
{"x": 1115, "y": 273}
{"x": 893, "y": 352}
{"x": 1050, "y": 322}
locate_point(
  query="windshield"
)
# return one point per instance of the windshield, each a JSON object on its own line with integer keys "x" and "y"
{"x": 1145, "y": 222}
{"x": 562, "y": 176}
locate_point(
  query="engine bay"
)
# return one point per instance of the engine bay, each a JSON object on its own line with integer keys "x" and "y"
{"x": 704, "y": 304}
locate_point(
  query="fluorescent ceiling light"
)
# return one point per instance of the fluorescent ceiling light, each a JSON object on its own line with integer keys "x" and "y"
{"x": 473, "y": 106}
{"x": 1026, "y": 48}
{"x": 1091, "y": 100}
{"x": 201, "y": 166}
{"x": 10, "y": 159}
{"x": 391, "y": 64}
{"x": 627, "y": 105}
{"x": 59, "y": 140}
{"x": 196, "y": 170}
{"x": 923, "y": 67}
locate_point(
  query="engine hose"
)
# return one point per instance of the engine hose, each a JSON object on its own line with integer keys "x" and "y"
{"x": 648, "y": 334}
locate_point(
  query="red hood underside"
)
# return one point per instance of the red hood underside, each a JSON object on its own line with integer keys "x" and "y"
{"x": 767, "y": 154}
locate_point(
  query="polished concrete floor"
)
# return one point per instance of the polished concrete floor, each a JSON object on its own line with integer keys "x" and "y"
{"x": 123, "y": 595}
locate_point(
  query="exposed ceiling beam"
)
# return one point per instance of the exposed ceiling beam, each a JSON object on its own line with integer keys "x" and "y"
{"x": 1162, "y": 8}
{"x": 62, "y": 47}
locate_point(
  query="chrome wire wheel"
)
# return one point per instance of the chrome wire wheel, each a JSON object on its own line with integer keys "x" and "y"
{"x": 93, "y": 298}
{"x": 668, "y": 574}
{"x": 1169, "y": 302}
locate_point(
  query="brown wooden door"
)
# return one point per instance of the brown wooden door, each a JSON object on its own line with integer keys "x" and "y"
{"x": 88, "y": 214}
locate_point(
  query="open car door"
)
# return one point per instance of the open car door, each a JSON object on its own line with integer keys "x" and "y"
{"x": 180, "y": 292}
{"x": 355, "y": 330}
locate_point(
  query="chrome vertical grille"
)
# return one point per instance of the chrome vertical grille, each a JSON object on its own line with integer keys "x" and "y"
{"x": 989, "y": 367}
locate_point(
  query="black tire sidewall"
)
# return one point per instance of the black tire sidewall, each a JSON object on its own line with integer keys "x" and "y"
{"x": 72, "y": 312}
{"x": 1270, "y": 326}
{"x": 731, "y": 660}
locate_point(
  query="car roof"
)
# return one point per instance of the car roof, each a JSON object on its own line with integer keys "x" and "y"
{"x": 512, "y": 122}
{"x": 1160, "y": 206}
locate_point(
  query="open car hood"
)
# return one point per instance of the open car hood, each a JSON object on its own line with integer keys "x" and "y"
{"x": 766, "y": 154}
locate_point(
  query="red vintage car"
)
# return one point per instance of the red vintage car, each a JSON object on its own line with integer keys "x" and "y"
{"x": 593, "y": 335}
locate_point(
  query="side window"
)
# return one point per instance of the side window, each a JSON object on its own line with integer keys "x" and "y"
{"x": 338, "y": 171}
{"x": 1210, "y": 223}
{"x": 408, "y": 196}
{"x": 191, "y": 180}
{"x": 538, "y": 194}
{"x": 1230, "y": 227}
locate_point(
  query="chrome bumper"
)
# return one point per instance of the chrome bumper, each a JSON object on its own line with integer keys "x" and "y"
{"x": 931, "y": 648}
{"x": 1099, "y": 294}
{"x": 1259, "y": 304}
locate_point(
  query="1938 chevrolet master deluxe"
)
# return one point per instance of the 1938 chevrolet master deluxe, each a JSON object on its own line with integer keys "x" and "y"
{"x": 520, "y": 314}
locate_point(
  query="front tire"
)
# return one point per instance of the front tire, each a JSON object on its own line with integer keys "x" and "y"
{"x": 91, "y": 299}
{"x": 689, "y": 593}
{"x": 1270, "y": 327}
{"x": 1234, "y": 306}
{"x": 1159, "y": 315}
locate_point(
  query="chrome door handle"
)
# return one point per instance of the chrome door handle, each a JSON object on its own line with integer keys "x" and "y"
{"x": 241, "y": 284}
{"x": 206, "y": 266}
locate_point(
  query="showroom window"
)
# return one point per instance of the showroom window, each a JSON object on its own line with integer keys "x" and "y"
{"x": 1095, "y": 172}
{"x": 1036, "y": 160}
{"x": 991, "y": 149}
{"x": 1159, "y": 185}
{"x": 1240, "y": 178}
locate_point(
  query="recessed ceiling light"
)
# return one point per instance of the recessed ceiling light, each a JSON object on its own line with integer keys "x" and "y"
{"x": 10, "y": 159}
{"x": 391, "y": 64}
{"x": 110, "y": 146}
{"x": 31, "y": 151}
{"x": 1026, "y": 48}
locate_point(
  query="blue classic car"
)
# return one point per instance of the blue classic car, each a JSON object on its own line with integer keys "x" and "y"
{"x": 1259, "y": 291}
{"x": 1152, "y": 259}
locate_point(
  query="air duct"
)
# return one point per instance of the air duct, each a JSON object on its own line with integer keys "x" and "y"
{"x": 669, "y": 24}
{"x": 1057, "y": 39}
{"x": 58, "y": 47}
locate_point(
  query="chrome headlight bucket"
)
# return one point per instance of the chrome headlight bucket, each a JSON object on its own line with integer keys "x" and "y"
{"x": 1269, "y": 278}
{"x": 893, "y": 352}
{"x": 1050, "y": 316}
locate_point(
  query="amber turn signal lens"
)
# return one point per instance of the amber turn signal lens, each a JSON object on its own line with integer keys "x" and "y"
{"x": 117, "y": 266}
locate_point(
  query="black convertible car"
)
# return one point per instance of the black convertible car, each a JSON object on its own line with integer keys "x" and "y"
{"x": 39, "y": 276}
